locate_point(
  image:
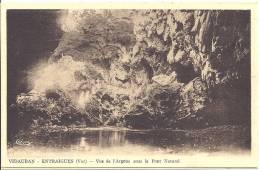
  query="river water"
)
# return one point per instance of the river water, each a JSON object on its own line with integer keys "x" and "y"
{"x": 125, "y": 141}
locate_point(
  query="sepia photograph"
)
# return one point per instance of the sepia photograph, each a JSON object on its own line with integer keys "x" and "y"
{"x": 134, "y": 82}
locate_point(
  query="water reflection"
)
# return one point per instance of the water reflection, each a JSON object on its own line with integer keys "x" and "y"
{"x": 101, "y": 139}
{"x": 96, "y": 140}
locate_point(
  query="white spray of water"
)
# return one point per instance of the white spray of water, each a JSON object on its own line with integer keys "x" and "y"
{"x": 60, "y": 75}
{"x": 57, "y": 75}
{"x": 84, "y": 98}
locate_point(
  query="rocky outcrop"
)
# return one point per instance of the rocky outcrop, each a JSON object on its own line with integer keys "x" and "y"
{"x": 156, "y": 109}
{"x": 193, "y": 99}
{"x": 202, "y": 48}
{"x": 158, "y": 68}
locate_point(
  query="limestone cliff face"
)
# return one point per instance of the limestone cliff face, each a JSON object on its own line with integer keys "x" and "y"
{"x": 209, "y": 52}
{"x": 155, "y": 68}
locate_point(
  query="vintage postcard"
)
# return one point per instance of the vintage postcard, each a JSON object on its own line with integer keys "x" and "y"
{"x": 128, "y": 85}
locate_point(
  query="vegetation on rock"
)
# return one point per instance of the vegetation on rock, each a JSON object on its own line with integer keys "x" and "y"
{"x": 144, "y": 69}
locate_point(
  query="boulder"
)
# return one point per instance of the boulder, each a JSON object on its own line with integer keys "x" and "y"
{"x": 164, "y": 80}
{"x": 193, "y": 98}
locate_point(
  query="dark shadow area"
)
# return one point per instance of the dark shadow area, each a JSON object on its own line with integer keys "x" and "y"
{"x": 32, "y": 35}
